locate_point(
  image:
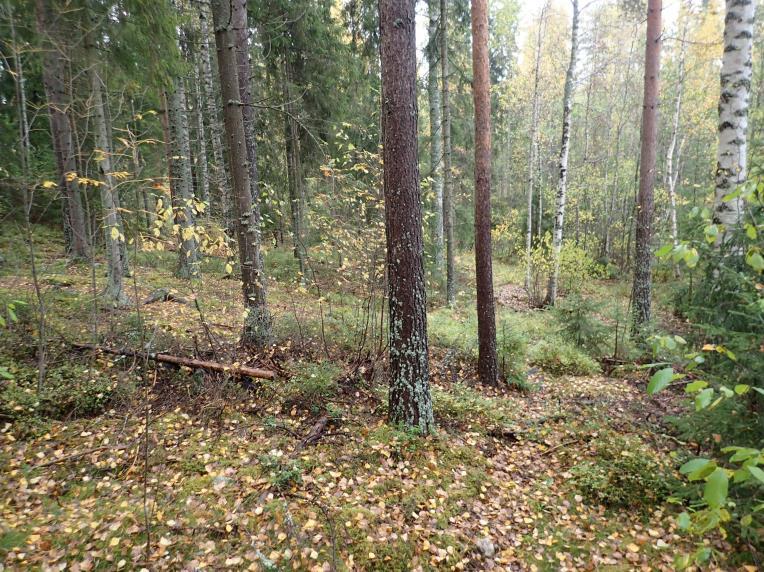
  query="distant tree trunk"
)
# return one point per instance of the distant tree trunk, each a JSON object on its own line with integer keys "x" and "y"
{"x": 294, "y": 169}
{"x": 410, "y": 402}
{"x": 182, "y": 181}
{"x": 642, "y": 287}
{"x": 257, "y": 324}
{"x": 481, "y": 91}
{"x": 112, "y": 219}
{"x": 436, "y": 141}
{"x": 672, "y": 171}
{"x": 534, "y": 149}
{"x": 219, "y": 169}
{"x": 732, "y": 152}
{"x": 244, "y": 71}
{"x": 202, "y": 168}
{"x": 448, "y": 199}
{"x": 78, "y": 245}
{"x": 562, "y": 184}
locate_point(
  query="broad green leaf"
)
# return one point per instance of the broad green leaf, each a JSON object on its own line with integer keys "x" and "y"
{"x": 703, "y": 399}
{"x": 755, "y": 261}
{"x": 742, "y": 389}
{"x": 660, "y": 380}
{"x": 693, "y": 465}
{"x": 695, "y": 386}
{"x": 683, "y": 521}
{"x": 715, "y": 492}
{"x": 757, "y": 473}
{"x": 750, "y": 231}
{"x": 664, "y": 250}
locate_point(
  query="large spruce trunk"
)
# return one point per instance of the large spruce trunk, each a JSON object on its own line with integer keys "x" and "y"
{"x": 76, "y": 229}
{"x": 410, "y": 402}
{"x": 257, "y": 324}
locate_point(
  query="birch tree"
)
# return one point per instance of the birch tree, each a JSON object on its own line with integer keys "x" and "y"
{"x": 562, "y": 183}
{"x": 534, "y": 146}
{"x": 410, "y": 403}
{"x": 732, "y": 151}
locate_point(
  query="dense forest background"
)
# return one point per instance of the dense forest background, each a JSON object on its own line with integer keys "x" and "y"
{"x": 239, "y": 238}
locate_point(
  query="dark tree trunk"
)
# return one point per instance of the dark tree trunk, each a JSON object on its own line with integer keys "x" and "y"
{"x": 257, "y": 324}
{"x": 642, "y": 287}
{"x": 248, "y": 115}
{"x": 448, "y": 199}
{"x": 481, "y": 88}
{"x": 410, "y": 402}
{"x": 78, "y": 244}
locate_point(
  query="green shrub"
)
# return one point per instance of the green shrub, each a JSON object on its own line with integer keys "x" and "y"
{"x": 512, "y": 349}
{"x": 579, "y": 323}
{"x": 463, "y": 404}
{"x": 313, "y": 384}
{"x": 283, "y": 473}
{"x": 623, "y": 474}
{"x": 558, "y": 357}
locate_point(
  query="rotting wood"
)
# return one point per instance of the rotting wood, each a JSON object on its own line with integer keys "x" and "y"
{"x": 241, "y": 370}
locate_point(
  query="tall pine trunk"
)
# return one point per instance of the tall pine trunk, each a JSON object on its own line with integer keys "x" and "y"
{"x": 182, "y": 181}
{"x": 436, "y": 141}
{"x": 448, "y": 198}
{"x": 642, "y": 286}
{"x": 410, "y": 402}
{"x": 53, "y": 77}
{"x": 257, "y": 324}
{"x": 732, "y": 152}
{"x": 481, "y": 91}
{"x": 562, "y": 184}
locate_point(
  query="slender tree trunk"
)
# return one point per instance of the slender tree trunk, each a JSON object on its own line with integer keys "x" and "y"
{"x": 562, "y": 184}
{"x": 219, "y": 169}
{"x": 672, "y": 173}
{"x": 642, "y": 287}
{"x": 244, "y": 71}
{"x": 481, "y": 91}
{"x": 410, "y": 402}
{"x": 436, "y": 141}
{"x": 182, "y": 181}
{"x": 732, "y": 152}
{"x": 112, "y": 221}
{"x": 534, "y": 148}
{"x": 294, "y": 170}
{"x": 257, "y": 324}
{"x": 202, "y": 168}
{"x": 448, "y": 199}
{"x": 61, "y": 131}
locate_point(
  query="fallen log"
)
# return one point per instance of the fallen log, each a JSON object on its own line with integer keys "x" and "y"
{"x": 241, "y": 370}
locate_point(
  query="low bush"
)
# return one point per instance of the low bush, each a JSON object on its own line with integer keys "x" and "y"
{"x": 559, "y": 357}
{"x": 312, "y": 385}
{"x": 624, "y": 473}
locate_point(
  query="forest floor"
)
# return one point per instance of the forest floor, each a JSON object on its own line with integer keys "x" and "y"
{"x": 173, "y": 469}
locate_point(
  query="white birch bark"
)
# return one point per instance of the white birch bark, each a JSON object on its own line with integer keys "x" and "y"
{"x": 562, "y": 184}
{"x": 731, "y": 169}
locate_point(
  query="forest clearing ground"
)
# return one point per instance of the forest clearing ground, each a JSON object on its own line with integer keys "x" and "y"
{"x": 229, "y": 484}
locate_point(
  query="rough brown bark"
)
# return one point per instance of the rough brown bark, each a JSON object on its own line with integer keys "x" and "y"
{"x": 448, "y": 200}
{"x": 257, "y": 324}
{"x": 61, "y": 130}
{"x": 481, "y": 88}
{"x": 642, "y": 286}
{"x": 410, "y": 403}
